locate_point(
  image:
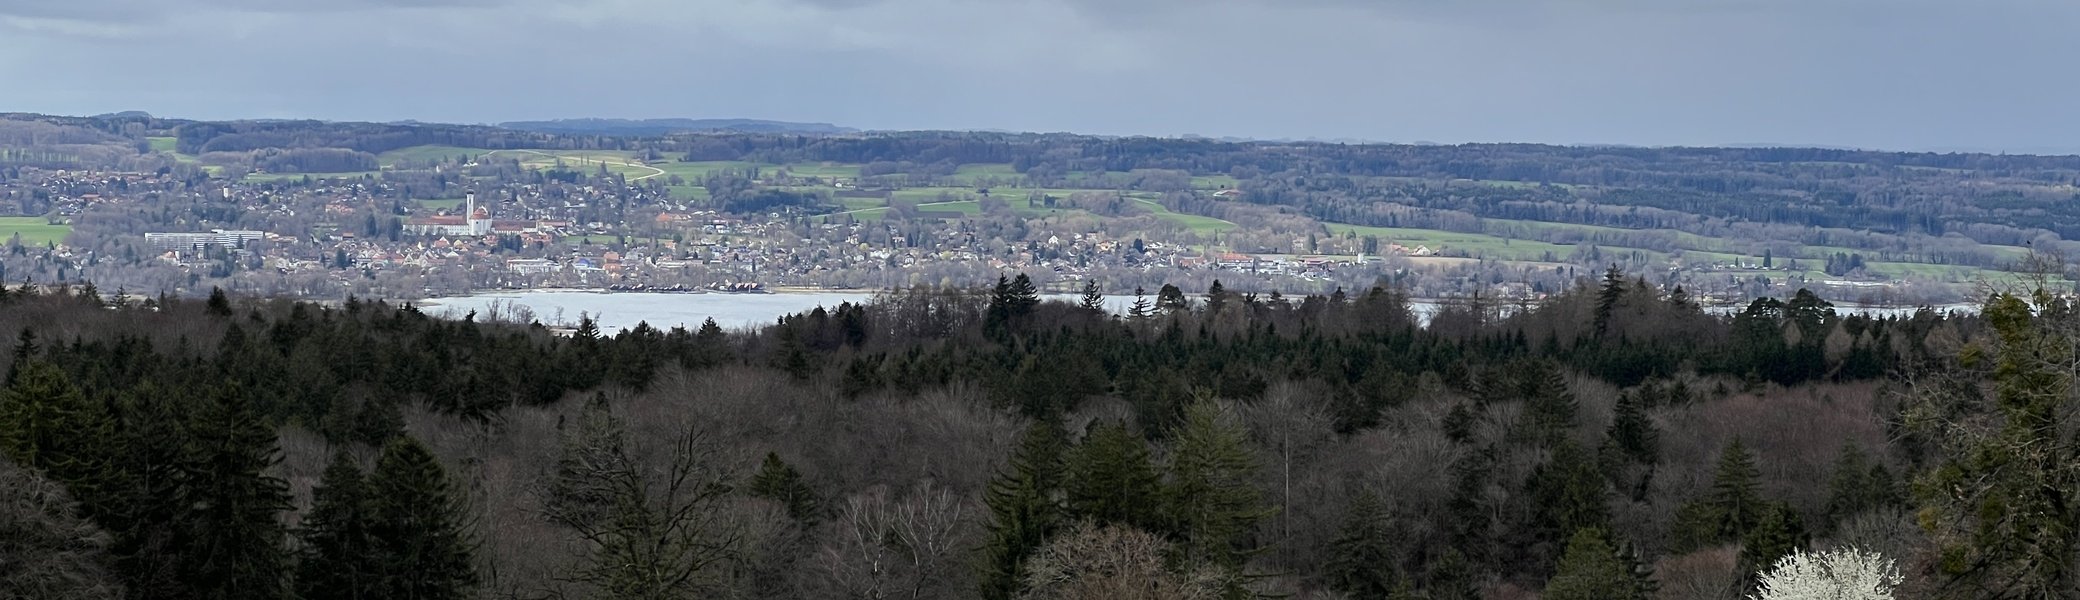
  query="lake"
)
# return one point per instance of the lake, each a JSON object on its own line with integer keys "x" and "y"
{"x": 622, "y": 310}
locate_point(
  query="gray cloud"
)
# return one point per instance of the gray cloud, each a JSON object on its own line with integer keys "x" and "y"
{"x": 1891, "y": 73}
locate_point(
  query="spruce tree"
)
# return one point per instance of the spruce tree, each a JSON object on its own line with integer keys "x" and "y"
{"x": 1363, "y": 556}
{"x": 1568, "y": 493}
{"x": 1859, "y": 485}
{"x": 1729, "y": 509}
{"x": 1024, "y": 510}
{"x": 1608, "y": 297}
{"x": 1592, "y": 569}
{"x": 1780, "y": 532}
{"x": 420, "y": 525}
{"x": 1632, "y": 434}
{"x": 780, "y": 482}
{"x": 1093, "y": 298}
{"x": 1212, "y": 499}
{"x": 47, "y": 423}
{"x": 231, "y": 508}
{"x": 339, "y": 560}
{"x": 1111, "y": 480}
{"x": 219, "y": 304}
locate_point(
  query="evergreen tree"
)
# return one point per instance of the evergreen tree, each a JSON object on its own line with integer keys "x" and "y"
{"x": 1729, "y": 509}
{"x": 1024, "y": 510}
{"x": 1213, "y": 503}
{"x": 1592, "y": 569}
{"x": 231, "y": 508}
{"x": 1780, "y": 532}
{"x": 1111, "y": 480}
{"x": 47, "y": 423}
{"x": 1141, "y": 309}
{"x": 1567, "y": 493}
{"x": 780, "y": 482}
{"x": 1859, "y": 485}
{"x": 219, "y": 304}
{"x": 1093, "y": 299}
{"x": 339, "y": 560}
{"x": 1608, "y": 297}
{"x": 1363, "y": 556}
{"x": 1632, "y": 434}
{"x": 418, "y": 519}
{"x": 1549, "y": 406}
{"x": 1216, "y": 298}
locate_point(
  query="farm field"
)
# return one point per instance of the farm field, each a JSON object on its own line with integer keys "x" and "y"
{"x": 35, "y": 231}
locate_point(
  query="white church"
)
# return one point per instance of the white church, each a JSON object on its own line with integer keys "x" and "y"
{"x": 474, "y": 221}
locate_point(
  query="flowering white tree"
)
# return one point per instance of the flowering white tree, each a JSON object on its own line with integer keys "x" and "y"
{"x": 1838, "y": 574}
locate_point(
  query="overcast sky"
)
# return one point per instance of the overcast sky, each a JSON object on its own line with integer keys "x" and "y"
{"x": 1892, "y": 74}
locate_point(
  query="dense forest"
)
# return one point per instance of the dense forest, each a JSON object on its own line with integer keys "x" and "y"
{"x": 1614, "y": 441}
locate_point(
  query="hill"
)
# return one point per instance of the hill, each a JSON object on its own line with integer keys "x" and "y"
{"x": 648, "y": 127}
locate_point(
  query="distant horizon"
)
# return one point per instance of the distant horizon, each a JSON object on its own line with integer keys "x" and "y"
{"x": 2026, "y": 151}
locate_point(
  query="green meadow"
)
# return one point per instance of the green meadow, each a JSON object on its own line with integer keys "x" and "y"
{"x": 35, "y": 231}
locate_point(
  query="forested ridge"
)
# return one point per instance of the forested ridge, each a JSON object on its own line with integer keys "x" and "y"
{"x": 1614, "y": 441}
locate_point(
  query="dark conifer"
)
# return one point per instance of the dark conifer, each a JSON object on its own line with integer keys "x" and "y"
{"x": 1363, "y": 556}
{"x": 780, "y": 482}
{"x": 1024, "y": 510}
{"x": 339, "y": 560}
{"x": 1111, "y": 481}
{"x": 231, "y": 508}
{"x": 420, "y": 526}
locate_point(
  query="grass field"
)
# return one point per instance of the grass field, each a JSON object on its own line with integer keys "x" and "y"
{"x": 163, "y": 144}
{"x": 426, "y": 153}
{"x": 266, "y": 177}
{"x": 35, "y": 231}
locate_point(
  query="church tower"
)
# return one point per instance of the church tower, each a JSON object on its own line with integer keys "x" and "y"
{"x": 478, "y": 218}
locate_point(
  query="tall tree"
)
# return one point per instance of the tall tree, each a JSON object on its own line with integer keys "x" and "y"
{"x": 1729, "y": 509}
{"x": 1780, "y": 533}
{"x": 1111, "y": 480}
{"x": 1364, "y": 556}
{"x": 340, "y": 559}
{"x": 1568, "y": 493}
{"x": 2001, "y": 501}
{"x": 1025, "y": 509}
{"x": 1592, "y": 569}
{"x": 419, "y": 523}
{"x": 1093, "y": 298}
{"x": 1213, "y": 503}
{"x": 231, "y": 506}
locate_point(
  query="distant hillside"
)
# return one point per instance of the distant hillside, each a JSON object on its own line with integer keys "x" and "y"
{"x": 665, "y": 126}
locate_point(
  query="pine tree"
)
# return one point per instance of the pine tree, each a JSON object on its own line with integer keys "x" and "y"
{"x": 1363, "y": 556}
{"x": 1216, "y": 298}
{"x": 231, "y": 509}
{"x": 1568, "y": 493}
{"x": 1780, "y": 532}
{"x": 780, "y": 482}
{"x": 1729, "y": 509}
{"x": 1591, "y": 569}
{"x": 1859, "y": 485}
{"x": 1212, "y": 499}
{"x": 1632, "y": 434}
{"x": 1608, "y": 297}
{"x": 1111, "y": 481}
{"x": 1024, "y": 511}
{"x": 1141, "y": 309}
{"x": 418, "y": 519}
{"x": 339, "y": 560}
{"x": 47, "y": 423}
{"x": 219, "y": 304}
{"x": 1093, "y": 299}
{"x": 1549, "y": 406}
